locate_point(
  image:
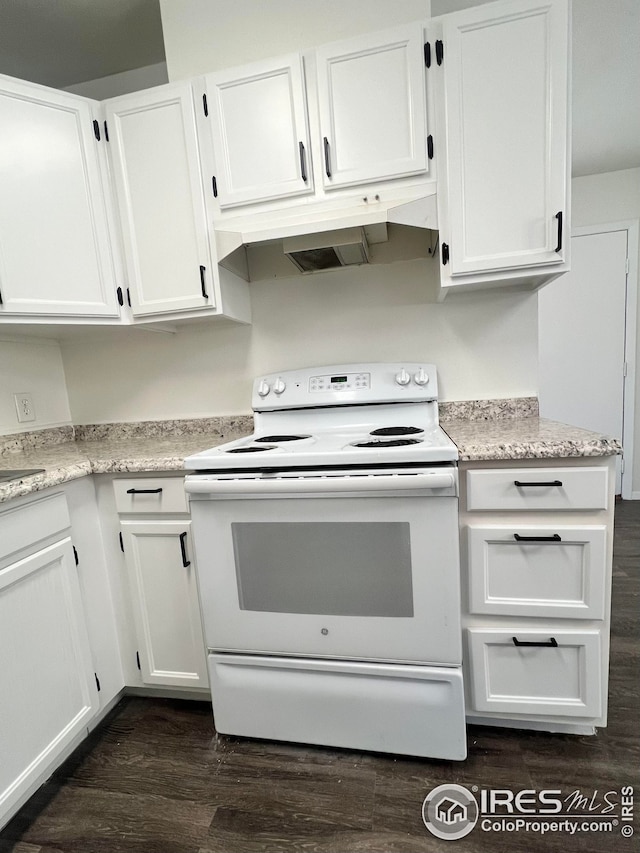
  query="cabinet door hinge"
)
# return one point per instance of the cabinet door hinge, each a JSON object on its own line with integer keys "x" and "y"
{"x": 625, "y": 368}
{"x": 120, "y": 297}
{"x": 622, "y": 465}
{"x": 427, "y": 54}
{"x": 138, "y": 659}
{"x": 205, "y": 105}
{"x": 106, "y": 131}
{"x": 445, "y": 254}
{"x": 96, "y": 129}
{"x": 430, "y": 147}
{"x": 97, "y": 681}
{"x": 1, "y": 302}
{"x": 439, "y": 51}
{"x": 214, "y": 186}
{"x": 128, "y": 298}
{"x": 121, "y": 542}
{"x": 75, "y": 554}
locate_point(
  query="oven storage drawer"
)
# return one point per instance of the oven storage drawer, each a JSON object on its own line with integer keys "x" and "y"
{"x": 410, "y": 710}
{"x": 529, "y": 570}
{"x": 151, "y": 495}
{"x": 528, "y": 489}
{"x": 531, "y": 672}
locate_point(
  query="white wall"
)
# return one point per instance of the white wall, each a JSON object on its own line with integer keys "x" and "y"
{"x": 35, "y": 367}
{"x": 122, "y": 83}
{"x": 206, "y": 35}
{"x": 604, "y": 198}
{"x": 484, "y": 345}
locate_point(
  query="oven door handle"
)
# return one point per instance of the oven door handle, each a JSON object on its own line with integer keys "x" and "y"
{"x": 208, "y": 486}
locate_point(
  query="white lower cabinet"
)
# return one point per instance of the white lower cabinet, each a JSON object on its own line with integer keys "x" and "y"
{"x": 49, "y": 690}
{"x": 541, "y": 671}
{"x": 536, "y": 546}
{"x": 162, "y": 581}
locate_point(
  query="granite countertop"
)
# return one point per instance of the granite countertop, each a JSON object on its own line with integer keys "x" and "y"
{"x": 525, "y": 438}
{"x": 68, "y": 453}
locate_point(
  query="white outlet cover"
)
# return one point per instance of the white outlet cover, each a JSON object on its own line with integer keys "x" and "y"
{"x": 24, "y": 407}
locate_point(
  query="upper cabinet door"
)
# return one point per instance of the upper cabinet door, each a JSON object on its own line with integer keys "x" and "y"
{"x": 505, "y": 86}
{"x": 372, "y": 105}
{"x": 156, "y": 168}
{"x": 258, "y": 122}
{"x": 55, "y": 252}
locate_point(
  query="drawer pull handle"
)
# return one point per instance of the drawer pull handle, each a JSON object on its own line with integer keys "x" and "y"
{"x": 183, "y": 549}
{"x": 521, "y": 485}
{"x": 555, "y": 538}
{"x": 143, "y": 491}
{"x": 551, "y": 644}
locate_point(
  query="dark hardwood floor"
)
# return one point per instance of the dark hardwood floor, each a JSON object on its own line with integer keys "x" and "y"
{"x": 155, "y": 778}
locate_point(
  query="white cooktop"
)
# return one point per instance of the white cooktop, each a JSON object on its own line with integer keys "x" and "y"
{"x": 356, "y": 414}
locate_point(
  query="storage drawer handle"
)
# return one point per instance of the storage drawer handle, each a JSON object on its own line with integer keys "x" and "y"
{"x": 551, "y": 644}
{"x": 303, "y": 162}
{"x": 327, "y": 158}
{"x": 183, "y": 549}
{"x": 559, "y": 220}
{"x": 555, "y": 538}
{"x": 537, "y": 483}
{"x": 143, "y": 491}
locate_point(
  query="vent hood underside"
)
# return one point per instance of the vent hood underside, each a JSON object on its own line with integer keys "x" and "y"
{"x": 283, "y": 244}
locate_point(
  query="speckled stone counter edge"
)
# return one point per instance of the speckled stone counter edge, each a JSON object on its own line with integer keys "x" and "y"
{"x": 469, "y": 410}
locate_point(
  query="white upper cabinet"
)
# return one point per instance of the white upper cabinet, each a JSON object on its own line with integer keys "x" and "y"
{"x": 156, "y": 169}
{"x": 505, "y": 88}
{"x": 372, "y": 107}
{"x": 55, "y": 252}
{"x": 259, "y": 131}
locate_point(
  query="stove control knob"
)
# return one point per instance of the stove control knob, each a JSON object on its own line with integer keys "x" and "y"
{"x": 403, "y": 378}
{"x": 421, "y": 377}
{"x": 263, "y": 388}
{"x": 279, "y": 385}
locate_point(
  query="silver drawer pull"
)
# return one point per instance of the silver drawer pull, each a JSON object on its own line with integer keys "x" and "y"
{"x": 521, "y": 485}
{"x": 555, "y": 538}
{"x": 552, "y": 643}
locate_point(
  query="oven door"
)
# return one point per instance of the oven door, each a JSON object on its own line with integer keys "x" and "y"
{"x": 355, "y": 567}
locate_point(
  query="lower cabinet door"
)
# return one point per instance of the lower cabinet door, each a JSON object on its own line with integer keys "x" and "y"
{"x": 165, "y": 600}
{"x": 48, "y": 690}
{"x": 536, "y": 672}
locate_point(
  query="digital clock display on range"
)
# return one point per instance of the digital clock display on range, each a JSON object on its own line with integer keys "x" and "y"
{"x": 339, "y": 379}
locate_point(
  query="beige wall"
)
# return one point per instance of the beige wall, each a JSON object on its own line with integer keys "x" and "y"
{"x": 34, "y": 367}
{"x": 484, "y": 345}
{"x": 207, "y": 35}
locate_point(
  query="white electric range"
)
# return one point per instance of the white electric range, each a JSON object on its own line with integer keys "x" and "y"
{"x": 326, "y": 547}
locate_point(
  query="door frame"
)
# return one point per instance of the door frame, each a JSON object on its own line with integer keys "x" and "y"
{"x": 632, "y": 227}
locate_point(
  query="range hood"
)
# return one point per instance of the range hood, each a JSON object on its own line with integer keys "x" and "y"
{"x": 317, "y": 237}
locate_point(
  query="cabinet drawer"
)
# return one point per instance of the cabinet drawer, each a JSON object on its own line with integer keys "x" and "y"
{"x": 538, "y": 488}
{"x": 27, "y": 525}
{"x": 560, "y": 677}
{"x": 552, "y": 572}
{"x": 151, "y": 495}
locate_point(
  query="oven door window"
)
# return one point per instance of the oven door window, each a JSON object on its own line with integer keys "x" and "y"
{"x": 333, "y": 569}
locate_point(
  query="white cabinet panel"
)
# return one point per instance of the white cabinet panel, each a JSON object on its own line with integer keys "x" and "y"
{"x": 258, "y": 123}
{"x": 49, "y": 692}
{"x": 156, "y": 167}
{"x": 538, "y": 571}
{"x": 505, "y": 87}
{"x": 372, "y": 106}
{"x": 559, "y": 674}
{"x": 55, "y": 252}
{"x": 526, "y": 489}
{"x": 165, "y": 602}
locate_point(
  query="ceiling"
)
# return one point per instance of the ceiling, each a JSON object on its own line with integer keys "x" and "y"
{"x": 62, "y": 42}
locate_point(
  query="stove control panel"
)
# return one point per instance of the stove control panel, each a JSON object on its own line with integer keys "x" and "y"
{"x": 345, "y": 384}
{"x": 340, "y": 382}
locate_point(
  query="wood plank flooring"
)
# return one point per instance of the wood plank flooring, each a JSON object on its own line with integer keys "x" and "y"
{"x": 155, "y": 778}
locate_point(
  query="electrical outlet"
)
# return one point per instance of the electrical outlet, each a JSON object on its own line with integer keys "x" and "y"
{"x": 24, "y": 407}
